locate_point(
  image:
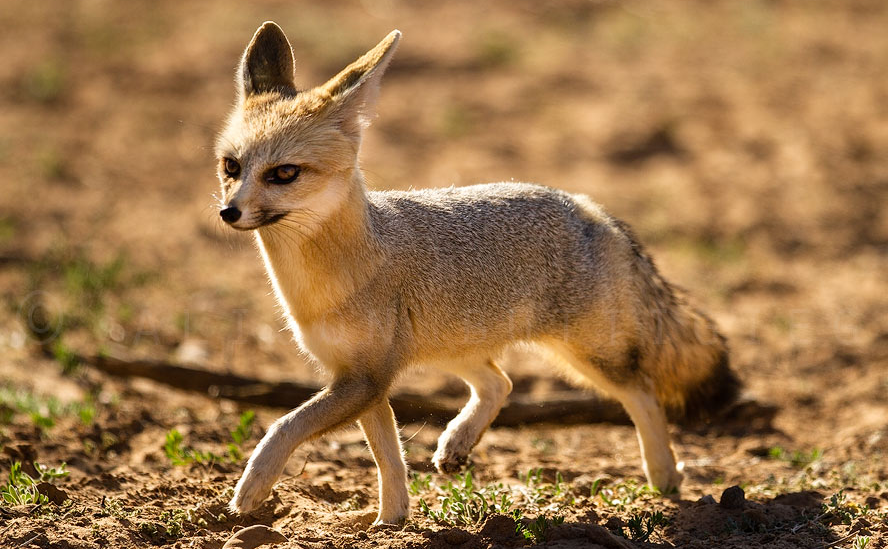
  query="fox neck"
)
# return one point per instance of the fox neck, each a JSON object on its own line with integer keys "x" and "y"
{"x": 314, "y": 272}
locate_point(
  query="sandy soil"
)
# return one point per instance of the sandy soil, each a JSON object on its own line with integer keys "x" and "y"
{"x": 742, "y": 140}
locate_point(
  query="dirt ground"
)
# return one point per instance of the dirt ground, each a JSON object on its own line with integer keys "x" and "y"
{"x": 744, "y": 142}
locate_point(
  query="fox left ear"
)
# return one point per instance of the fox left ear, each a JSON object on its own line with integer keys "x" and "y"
{"x": 267, "y": 64}
{"x": 352, "y": 93}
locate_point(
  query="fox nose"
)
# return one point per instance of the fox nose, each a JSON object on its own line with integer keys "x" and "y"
{"x": 230, "y": 214}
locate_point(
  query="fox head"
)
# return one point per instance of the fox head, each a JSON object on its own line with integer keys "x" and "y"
{"x": 292, "y": 154}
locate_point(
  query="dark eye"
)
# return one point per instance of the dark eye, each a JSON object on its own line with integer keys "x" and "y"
{"x": 282, "y": 174}
{"x": 231, "y": 168}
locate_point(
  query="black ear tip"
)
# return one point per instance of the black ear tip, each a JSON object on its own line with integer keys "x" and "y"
{"x": 269, "y": 26}
{"x": 270, "y": 32}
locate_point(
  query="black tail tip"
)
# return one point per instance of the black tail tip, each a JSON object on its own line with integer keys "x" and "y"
{"x": 712, "y": 395}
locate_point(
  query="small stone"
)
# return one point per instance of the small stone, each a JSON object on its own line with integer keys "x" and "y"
{"x": 872, "y": 502}
{"x": 614, "y": 524}
{"x": 707, "y": 500}
{"x": 733, "y": 498}
{"x": 254, "y": 536}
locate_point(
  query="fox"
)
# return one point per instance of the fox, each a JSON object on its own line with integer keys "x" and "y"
{"x": 373, "y": 283}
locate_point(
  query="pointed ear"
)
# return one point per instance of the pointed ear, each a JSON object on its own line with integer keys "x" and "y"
{"x": 353, "y": 92}
{"x": 267, "y": 64}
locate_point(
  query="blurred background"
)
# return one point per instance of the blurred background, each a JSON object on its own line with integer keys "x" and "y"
{"x": 744, "y": 142}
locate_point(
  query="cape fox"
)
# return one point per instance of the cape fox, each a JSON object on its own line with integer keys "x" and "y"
{"x": 372, "y": 283}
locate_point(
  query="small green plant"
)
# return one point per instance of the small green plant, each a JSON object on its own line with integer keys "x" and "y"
{"x": 419, "y": 483}
{"x": 113, "y": 508}
{"x": 539, "y": 494}
{"x": 642, "y": 525}
{"x": 42, "y": 411}
{"x": 595, "y": 488}
{"x": 179, "y": 454}
{"x": 797, "y": 458}
{"x": 21, "y": 488}
{"x": 622, "y": 494}
{"x": 840, "y": 510}
{"x": 537, "y": 530}
{"x": 240, "y": 435}
{"x": 148, "y": 528}
{"x": 183, "y": 455}
{"x": 462, "y": 503}
{"x": 49, "y": 474}
{"x": 67, "y": 358}
{"x": 174, "y": 522}
{"x": 861, "y": 542}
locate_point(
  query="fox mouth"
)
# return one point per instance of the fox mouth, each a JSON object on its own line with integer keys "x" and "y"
{"x": 271, "y": 220}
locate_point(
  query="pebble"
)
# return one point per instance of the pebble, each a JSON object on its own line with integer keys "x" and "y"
{"x": 254, "y": 536}
{"x": 733, "y": 498}
{"x": 707, "y": 499}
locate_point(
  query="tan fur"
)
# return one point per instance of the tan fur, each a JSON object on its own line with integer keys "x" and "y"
{"x": 372, "y": 283}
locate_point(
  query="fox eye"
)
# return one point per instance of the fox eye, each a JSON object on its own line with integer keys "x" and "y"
{"x": 231, "y": 168}
{"x": 283, "y": 174}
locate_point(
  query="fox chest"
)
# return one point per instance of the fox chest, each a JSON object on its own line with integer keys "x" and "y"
{"x": 339, "y": 344}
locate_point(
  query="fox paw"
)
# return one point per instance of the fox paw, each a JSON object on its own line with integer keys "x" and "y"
{"x": 666, "y": 480}
{"x": 249, "y": 494}
{"x": 445, "y": 462}
{"x": 395, "y": 509}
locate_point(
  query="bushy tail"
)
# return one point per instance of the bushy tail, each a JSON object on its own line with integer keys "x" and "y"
{"x": 704, "y": 383}
{"x": 685, "y": 355}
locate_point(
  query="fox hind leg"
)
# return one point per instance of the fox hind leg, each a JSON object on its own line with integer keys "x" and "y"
{"x": 381, "y": 432}
{"x": 657, "y": 457}
{"x": 645, "y": 411}
{"x": 489, "y": 388}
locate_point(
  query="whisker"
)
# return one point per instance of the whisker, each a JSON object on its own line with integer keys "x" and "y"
{"x": 293, "y": 225}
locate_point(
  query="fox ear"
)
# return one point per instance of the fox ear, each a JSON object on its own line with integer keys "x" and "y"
{"x": 353, "y": 92}
{"x": 267, "y": 64}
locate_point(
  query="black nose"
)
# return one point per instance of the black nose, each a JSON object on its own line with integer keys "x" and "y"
{"x": 230, "y": 214}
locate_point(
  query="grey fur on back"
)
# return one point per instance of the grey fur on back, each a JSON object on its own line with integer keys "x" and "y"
{"x": 517, "y": 260}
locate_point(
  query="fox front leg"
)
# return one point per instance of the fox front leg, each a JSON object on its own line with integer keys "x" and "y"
{"x": 381, "y": 432}
{"x": 340, "y": 403}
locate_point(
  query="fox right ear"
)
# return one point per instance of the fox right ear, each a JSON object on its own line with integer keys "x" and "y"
{"x": 267, "y": 64}
{"x": 352, "y": 93}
